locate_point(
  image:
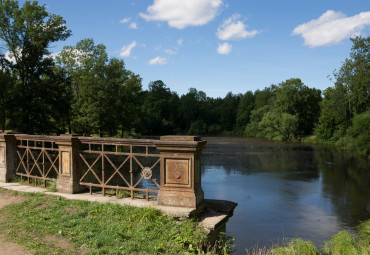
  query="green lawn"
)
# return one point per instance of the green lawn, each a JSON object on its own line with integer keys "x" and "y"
{"x": 52, "y": 225}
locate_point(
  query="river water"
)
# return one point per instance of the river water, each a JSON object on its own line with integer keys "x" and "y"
{"x": 285, "y": 190}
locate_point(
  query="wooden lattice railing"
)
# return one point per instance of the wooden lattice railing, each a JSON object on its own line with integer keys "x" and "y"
{"x": 120, "y": 164}
{"x": 37, "y": 158}
{"x": 169, "y": 167}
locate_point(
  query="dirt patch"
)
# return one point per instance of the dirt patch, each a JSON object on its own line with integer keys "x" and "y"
{"x": 46, "y": 204}
{"x": 64, "y": 243}
{"x": 60, "y": 242}
{"x": 11, "y": 248}
{"x": 8, "y": 247}
{"x": 70, "y": 210}
{"x": 7, "y": 199}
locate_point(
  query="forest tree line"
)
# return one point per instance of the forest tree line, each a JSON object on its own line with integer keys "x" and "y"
{"x": 82, "y": 90}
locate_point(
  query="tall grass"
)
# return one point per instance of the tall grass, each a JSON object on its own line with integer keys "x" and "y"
{"x": 343, "y": 243}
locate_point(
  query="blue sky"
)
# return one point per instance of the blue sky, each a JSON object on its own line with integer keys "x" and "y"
{"x": 219, "y": 46}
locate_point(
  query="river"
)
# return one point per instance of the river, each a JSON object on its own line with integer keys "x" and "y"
{"x": 285, "y": 190}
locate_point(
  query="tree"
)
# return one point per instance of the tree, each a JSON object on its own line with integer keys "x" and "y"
{"x": 129, "y": 101}
{"x": 355, "y": 76}
{"x": 6, "y": 83}
{"x": 253, "y": 129}
{"x": 350, "y": 95}
{"x": 229, "y": 110}
{"x": 105, "y": 94}
{"x": 27, "y": 33}
{"x": 244, "y": 110}
{"x": 192, "y": 106}
{"x": 295, "y": 98}
{"x": 155, "y": 109}
{"x": 275, "y": 123}
{"x": 85, "y": 65}
{"x": 334, "y": 117}
{"x": 263, "y": 97}
{"x": 359, "y": 134}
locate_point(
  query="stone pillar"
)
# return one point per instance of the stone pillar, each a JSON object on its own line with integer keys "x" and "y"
{"x": 181, "y": 171}
{"x": 8, "y": 156}
{"x": 69, "y": 164}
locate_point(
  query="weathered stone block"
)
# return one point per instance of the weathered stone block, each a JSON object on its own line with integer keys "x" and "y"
{"x": 8, "y": 156}
{"x": 180, "y": 171}
{"x": 69, "y": 165}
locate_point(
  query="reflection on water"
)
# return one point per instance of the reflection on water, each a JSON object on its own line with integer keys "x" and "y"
{"x": 285, "y": 190}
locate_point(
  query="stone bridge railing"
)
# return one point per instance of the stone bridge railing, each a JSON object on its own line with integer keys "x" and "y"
{"x": 169, "y": 167}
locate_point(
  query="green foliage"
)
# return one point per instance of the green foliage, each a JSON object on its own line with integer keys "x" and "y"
{"x": 296, "y": 247}
{"x": 6, "y": 97}
{"x": 26, "y": 33}
{"x": 192, "y": 107}
{"x": 276, "y": 124}
{"x": 156, "y": 109}
{"x": 359, "y": 134}
{"x": 253, "y": 128}
{"x": 228, "y": 111}
{"x": 244, "y": 110}
{"x": 343, "y": 110}
{"x": 290, "y": 109}
{"x": 334, "y": 118}
{"x": 295, "y": 98}
{"x": 341, "y": 243}
{"x": 104, "y": 94}
{"x": 197, "y": 128}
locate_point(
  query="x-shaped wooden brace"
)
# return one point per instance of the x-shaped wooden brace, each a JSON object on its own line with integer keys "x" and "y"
{"x": 52, "y": 163}
{"x": 116, "y": 170}
{"x": 90, "y": 168}
{"x": 21, "y": 162}
{"x": 35, "y": 161}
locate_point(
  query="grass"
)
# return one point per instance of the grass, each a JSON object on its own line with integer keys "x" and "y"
{"x": 50, "y": 185}
{"x": 94, "y": 228}
{"x": 343, "y": 243}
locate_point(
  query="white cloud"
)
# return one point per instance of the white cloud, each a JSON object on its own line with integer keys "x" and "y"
{"x": 180, "y": 41}
{"x": 126, "y": 49}
{"x": 224, "y": 48}
{"x": 234, "y": 29}
{"x": 10, "y": 57}
{"x": 75, "y": 56}
{"x": 125, "y": 20}
{"x": 170, "y": 52}
{"x": 331, "y": 28}
{"x": 133, "y": 25}
{"x": 53, "y": 55}
{"x": 180, "y": 14}
{"x": 158, "y": 61}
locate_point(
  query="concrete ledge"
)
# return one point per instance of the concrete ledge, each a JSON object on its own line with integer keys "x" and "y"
{"x": 22, "y": 188}
{"x": 177, "y": 212}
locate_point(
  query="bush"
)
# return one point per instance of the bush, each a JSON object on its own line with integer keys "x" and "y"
{"x": 296, "y": 247}
{"x": 197, "y": 128}
{"x": 341, "y": 243}
{"x": 359, "y": 133}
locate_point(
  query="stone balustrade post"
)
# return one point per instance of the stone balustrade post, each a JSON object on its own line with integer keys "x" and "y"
{"x": 180, "y": 171}
{"x": 8, "y": 156}
{"x": 69, "y": 164}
